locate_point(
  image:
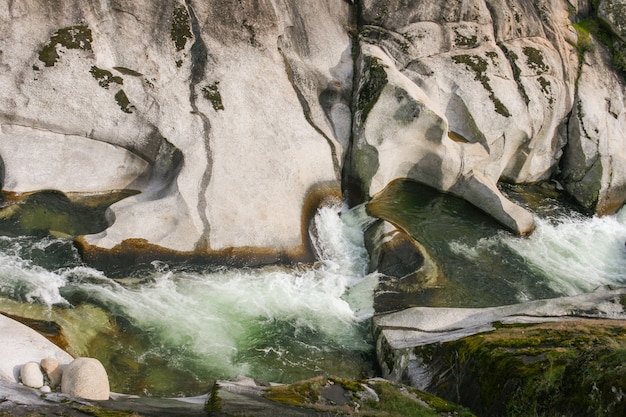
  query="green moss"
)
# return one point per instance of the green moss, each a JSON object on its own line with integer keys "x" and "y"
{"x": 212, "y": 93}
{"x": 101, "y": 412}
{"x": 407, "y": 402}
{"x": 541, "y": 369}
{"x": 349, "y": 384}
{"x": 73, "y": 37}
{"x": 465, "y": 41}
{"x": 104, "y": 77}
{"x": 479, "y": 65}
{"x": 535, "y": 61}
{"x": 214, "y": 402}
{"x": 546, "y": 89}
{"x": 180, "y": 30}
{"x": 122, "y": 100}
{"x": 375, "y": 81}
{"x": 299, "y": 393}
{"x": 493, "y": 56}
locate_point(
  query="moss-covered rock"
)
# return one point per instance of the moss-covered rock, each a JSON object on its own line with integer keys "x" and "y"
{"x": 570, "y": 368}
{"x": 368, "y": 397}
{"x": 72, "y": 37}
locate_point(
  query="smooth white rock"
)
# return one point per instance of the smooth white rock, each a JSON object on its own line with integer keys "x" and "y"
{"x": 86, "y": 378}
{"x": 20, "y": 344}
{"x": 31, "y": 375}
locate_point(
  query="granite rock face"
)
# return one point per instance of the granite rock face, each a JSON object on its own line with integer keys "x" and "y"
{"x": 236, "y": 119}
{"x": 230, "y": 117}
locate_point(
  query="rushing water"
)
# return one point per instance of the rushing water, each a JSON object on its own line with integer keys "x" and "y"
{"x": 568, "y": 253}
{"x": 192, "y": 325}
{"x": 172, "y": 329}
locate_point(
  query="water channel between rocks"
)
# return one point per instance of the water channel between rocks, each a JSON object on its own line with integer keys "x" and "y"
{"x": 169, "y": 330}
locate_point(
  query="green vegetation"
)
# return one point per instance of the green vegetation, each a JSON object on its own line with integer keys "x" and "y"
{"x": 299, "y": 393}
{"x": 375, "y": 81}
{"x": 546, "y": 89}
{"x": 73, "y": 37}
{"x": 180, "y": 30}
{"x": 122, "y": 100}
{"x": 211, "y": 92}
{"x": 96, "y": 411}
{"x": 479, "y": 66}
{"x": 391, "y": 400}
{"x": 544, "y": 369}
{"x": 534, "y": 59}
{"x": 409, "y": 402}
{"x": 465, "y": 41}
{"x": 214, "y": 403}
{"x": 589, "y": 29}
{"x": 583, "y": 33}
{"x": 104, "y": 77}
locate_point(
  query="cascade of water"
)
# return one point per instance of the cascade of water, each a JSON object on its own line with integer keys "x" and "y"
{"x": 576, "y": 254}
{"x": 273, "y": 323}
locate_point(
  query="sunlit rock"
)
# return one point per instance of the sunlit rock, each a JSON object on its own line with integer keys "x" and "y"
{"x": 85, "y": 378}
{"x": 31, "y": 375}
{"x": 400, "y": 133}
{"x": 231, "y": 118}
{"x": 53, "y": 370}
{"x": 406, "y": 339}
{"x": 20, "y": 344}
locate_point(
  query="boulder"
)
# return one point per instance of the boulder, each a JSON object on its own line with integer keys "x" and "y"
{"x": 53, "y": 370}
{"x": 86, "y": 378}
{"x": 594, "y": 160}
{"x": 31, "y": 375}
{"x": 613, "y": 14}
{"x": 399, "y": 333}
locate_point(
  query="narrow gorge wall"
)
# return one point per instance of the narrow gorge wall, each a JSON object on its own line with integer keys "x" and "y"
{"x": 236, "y": 119}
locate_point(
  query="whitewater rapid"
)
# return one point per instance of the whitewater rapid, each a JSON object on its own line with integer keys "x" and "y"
{"x": 273, "y": 323}
{"x": 573, "y": 253}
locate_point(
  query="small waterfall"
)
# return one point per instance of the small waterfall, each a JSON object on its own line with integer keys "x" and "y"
{"x": 274, "y": 323}
{"x": 576, "y": 254}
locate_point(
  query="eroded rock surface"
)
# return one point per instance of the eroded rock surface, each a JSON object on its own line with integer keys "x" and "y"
{"x": 236, "y": 119}
{"x": 229, "y": 117}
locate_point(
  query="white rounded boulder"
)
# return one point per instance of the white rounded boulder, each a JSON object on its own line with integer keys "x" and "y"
{"x": 85, "y": 378}
{"x": 31, "y": 375}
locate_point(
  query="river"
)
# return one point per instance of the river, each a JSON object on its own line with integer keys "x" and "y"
{"x": 169, "y": 330}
